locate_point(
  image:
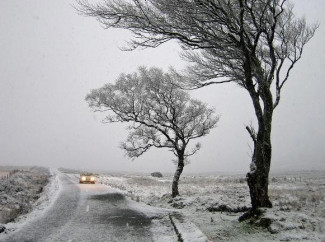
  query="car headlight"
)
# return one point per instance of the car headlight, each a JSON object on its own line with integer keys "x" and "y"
{"x": 92, "y": 178}
{"x": 83, "y": 178}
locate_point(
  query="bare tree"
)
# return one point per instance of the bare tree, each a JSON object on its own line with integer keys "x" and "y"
{"x": 254, "y": 43}
{"x": 162, "y": 115}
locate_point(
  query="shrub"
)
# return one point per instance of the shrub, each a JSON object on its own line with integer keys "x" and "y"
{"x": 156, "y": 174}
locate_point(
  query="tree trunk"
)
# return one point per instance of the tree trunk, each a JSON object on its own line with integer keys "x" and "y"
{"x": 177, "y": 174}
{"x": 258, "y": 177}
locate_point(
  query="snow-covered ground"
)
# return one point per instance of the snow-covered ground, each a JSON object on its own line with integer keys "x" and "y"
{"x": 37, "y": 190}
{"x": 214, "y": 204}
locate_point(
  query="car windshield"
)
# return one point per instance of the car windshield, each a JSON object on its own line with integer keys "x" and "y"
{"x": 86, "y": 174}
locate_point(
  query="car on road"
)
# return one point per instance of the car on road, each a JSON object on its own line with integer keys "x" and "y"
{"x": 87, "y": 178}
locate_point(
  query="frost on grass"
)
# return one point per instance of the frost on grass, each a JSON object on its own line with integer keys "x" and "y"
{"x": 19, "y": 191}
{"x": 214, "y": 204}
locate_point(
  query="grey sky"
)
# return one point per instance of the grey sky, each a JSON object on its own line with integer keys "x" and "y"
{"x": 50, "y": 57}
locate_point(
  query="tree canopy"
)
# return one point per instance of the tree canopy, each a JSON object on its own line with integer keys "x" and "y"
{"x": 233, "y": 37}
{"x": 161, "y": 114}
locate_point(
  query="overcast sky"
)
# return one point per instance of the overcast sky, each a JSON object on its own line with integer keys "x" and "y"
{"x": 51, "y": 57}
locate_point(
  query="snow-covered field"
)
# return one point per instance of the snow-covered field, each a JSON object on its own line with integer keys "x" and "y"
{"x": 214, "y": 204}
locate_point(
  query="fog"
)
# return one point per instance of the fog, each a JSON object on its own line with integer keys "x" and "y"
{"x": 51, "y": 57}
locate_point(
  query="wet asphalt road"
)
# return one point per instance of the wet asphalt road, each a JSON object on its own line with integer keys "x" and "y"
{"x": 86, "y": 212}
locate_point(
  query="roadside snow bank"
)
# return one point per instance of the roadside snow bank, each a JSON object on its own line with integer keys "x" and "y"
{"x": 187, "y": 231}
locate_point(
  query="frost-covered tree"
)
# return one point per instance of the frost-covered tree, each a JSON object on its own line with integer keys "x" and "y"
{"x": 162, "y": 115}
{"x": 254, "y": 43}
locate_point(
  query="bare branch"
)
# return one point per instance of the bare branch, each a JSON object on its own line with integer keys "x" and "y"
{"x": 162, "y": 115}
{"x": 250, "y": 129}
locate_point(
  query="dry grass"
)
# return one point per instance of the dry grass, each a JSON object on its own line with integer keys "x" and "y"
{"x": 303, "y": 192}
{"x": 297, "y": 199}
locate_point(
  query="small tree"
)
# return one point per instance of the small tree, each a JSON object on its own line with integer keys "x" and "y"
{"x": 254, "y": 43}
{"x": 162, "y": 115}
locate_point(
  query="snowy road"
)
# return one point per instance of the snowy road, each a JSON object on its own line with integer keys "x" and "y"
{"x": 85, "y": 212}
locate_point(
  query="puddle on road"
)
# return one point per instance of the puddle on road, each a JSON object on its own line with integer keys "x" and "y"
{"x": 126, "y": 217}
{"x": 110, "y": 197}
{"x": 119, "y": 216}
